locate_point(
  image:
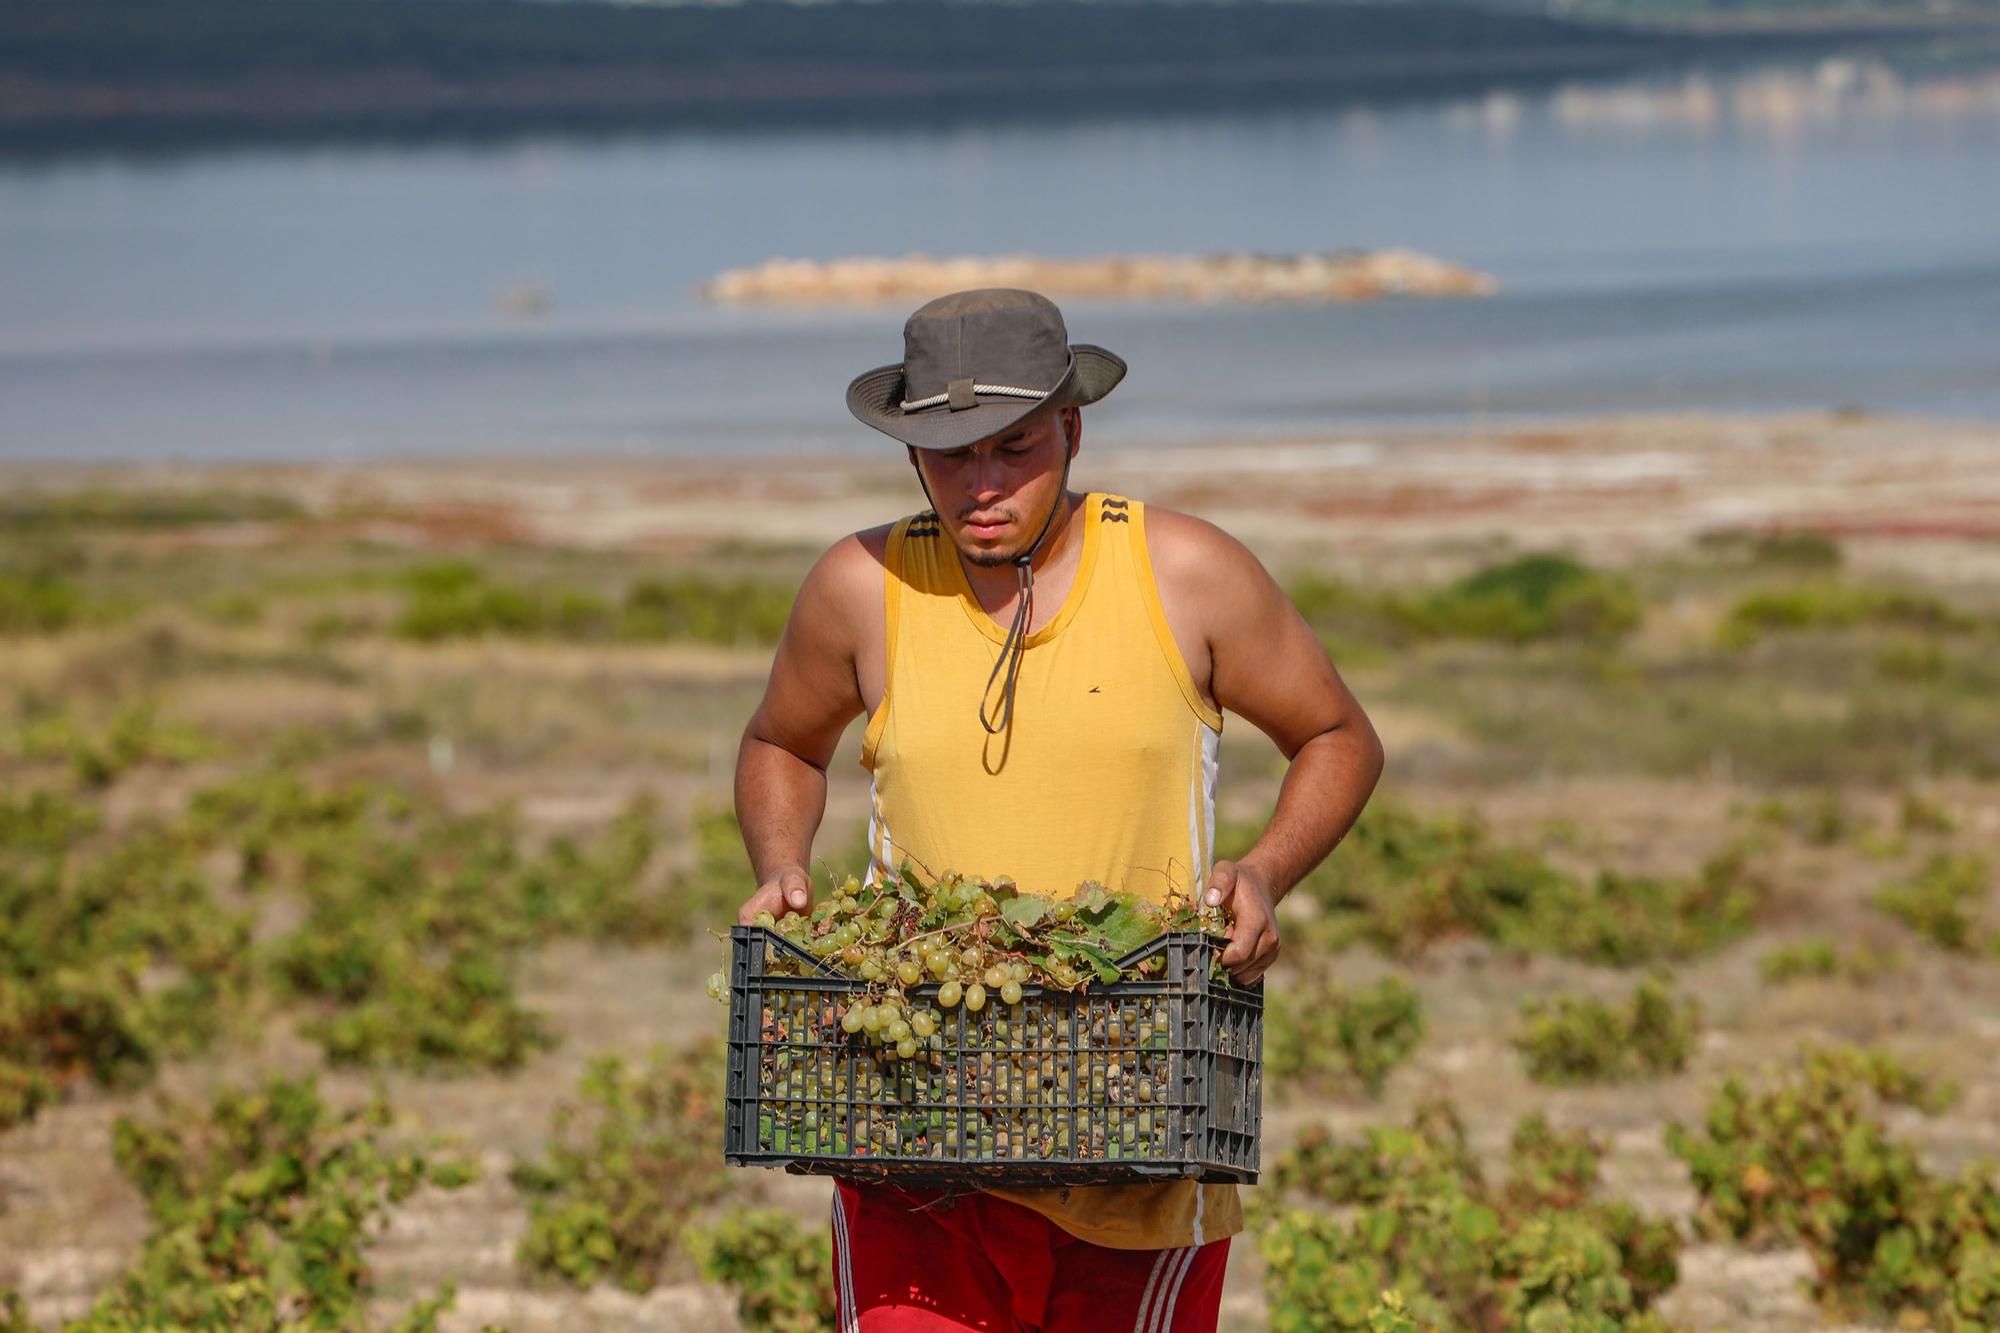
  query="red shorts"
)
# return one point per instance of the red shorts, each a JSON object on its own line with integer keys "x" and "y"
{"x": 922, "y": 1262}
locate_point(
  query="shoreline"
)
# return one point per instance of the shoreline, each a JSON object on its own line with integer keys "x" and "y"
{"x": 1610, "y": 487}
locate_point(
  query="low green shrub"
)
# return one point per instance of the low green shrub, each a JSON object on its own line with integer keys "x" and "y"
{"x": 260, "y": 1211}
{"x": 38, "y": 822}
{"x": 595, "y": 888}
{"x": 1917, "y": 813}
{"x": 415, "y": 915}
{"x": 1819, "y": 956}
{"x": 1579, "y": 1039}
{"x": 112, "y": 957}
{"x": 99, "y": 752}
{"x": 1816, "y": 957}
{"x": 1402, "y": 880}
{"x": 629, "y": 1163}
{"x": 1797, "y": 550}
{"x": 1838, "y": 606}
{"x": 456, "y": 599}
{"x": 408, "y": 946}
{"x": 1539, "y": 596}
{"x": 36, "y": 601}
{"x": 1391, "y": 1314}
{"x": 705, "y": 610}
{"x": 1320, "y": 1033}
{"x": 1543, "y": 596}
{"x": 1945, "y": 902}
{"x": 1808, "y": 1160}
{"x": 780, "y": 1269}
{"x": 1824, "y": 822}
{"x": 1417, "y": 1216}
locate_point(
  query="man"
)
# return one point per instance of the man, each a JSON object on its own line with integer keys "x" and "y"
{"x": 1044, "y": 676}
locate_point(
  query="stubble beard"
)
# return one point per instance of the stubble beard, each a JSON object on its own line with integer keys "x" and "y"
{"x": 998, "y": 559}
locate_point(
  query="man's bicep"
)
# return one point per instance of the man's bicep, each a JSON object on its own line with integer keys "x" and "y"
{"x": 813, "y": 692}
{"x": 1269, "y": 666}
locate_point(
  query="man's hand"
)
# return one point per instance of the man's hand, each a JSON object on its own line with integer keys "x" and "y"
{"x": 789, "y": 890}
{"x": 1253, "y": 925}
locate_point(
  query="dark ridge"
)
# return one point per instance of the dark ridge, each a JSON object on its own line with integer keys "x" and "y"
{"x": 164, "y": 72}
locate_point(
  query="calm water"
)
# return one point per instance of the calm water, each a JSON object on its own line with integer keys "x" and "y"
{"x": 1812, "y": 236}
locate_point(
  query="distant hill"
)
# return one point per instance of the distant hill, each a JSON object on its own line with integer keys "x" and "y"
{"x": 143, "y": 66}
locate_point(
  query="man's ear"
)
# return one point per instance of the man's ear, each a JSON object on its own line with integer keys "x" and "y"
{"x": 1072, "y": 419}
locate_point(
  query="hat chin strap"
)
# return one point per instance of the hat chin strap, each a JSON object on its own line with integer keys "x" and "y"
{"x": 1015, "y": 644}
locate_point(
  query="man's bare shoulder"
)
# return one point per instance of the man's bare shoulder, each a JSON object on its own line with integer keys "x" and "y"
{"x": 849, "y": 573}
{"x": 1196, "y": 557}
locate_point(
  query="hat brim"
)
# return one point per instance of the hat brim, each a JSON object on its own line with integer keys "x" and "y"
{"x": 876, "y": 399}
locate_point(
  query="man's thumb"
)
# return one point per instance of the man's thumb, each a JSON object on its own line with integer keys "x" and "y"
{"x": 795, "y": 889}
{"x": 1220, "y": 881}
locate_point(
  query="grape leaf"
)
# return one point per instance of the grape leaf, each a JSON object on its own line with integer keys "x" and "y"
{"x": 1089, "y": 955}
{"x": 1026, "y": 910}
{"x": 1122, "y": 924}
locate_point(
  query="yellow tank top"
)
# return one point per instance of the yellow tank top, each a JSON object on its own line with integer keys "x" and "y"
{"x": 1106, "y": 772}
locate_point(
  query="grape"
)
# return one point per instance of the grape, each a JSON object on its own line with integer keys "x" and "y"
{"x": 993, "y": 977}
{"x": 909, "y": 972}
{"x": 907, "y": 1047}
{"x": 766, "y": 920}
{"x": 718, "y": 987}
{"x": 851, "y": 1021}
{"x": 948, "y": 994}
{"x": 975, "y": 997}
{"x": 1010, "y": 991}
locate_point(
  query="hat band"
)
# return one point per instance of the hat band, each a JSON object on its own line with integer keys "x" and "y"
{"x": 996, "y": 390}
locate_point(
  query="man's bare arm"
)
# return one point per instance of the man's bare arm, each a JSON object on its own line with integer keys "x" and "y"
{"x": 1268, "y": 667}
{"x": 812, "y": 695}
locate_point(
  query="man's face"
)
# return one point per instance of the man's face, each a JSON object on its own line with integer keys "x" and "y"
{"x": 992, "y": 496}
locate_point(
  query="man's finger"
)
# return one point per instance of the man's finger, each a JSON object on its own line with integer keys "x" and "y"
{"x": 1242, "y": 969}
{"x": 1242, "y": 934}
{"x": 1249, "y": 936}
{"x": 765, "y": 899}
{"x": 1265, "y": 955}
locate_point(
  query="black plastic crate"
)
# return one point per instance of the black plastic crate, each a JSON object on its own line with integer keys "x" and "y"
{"x": 1133, "y": 1080}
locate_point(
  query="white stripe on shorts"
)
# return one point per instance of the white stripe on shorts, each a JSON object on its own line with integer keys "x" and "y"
{"x": 1170, "y": 1294}
{"x": 1146, "y": 1302}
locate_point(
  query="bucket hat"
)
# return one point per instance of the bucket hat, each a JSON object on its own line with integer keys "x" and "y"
{"x": 976, "y": 362}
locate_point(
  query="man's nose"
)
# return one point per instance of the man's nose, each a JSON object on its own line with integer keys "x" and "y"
{"x": 985, "y": 479}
